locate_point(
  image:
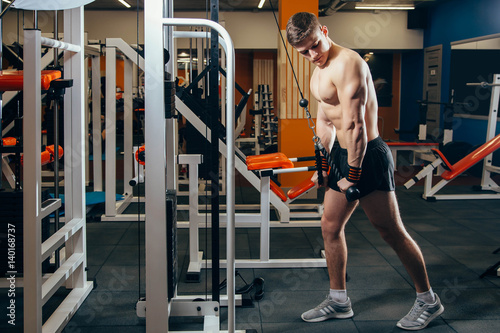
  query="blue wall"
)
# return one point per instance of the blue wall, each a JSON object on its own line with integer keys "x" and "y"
{"x": 448, "y": 21}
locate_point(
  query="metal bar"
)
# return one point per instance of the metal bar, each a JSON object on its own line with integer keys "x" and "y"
{"x": 196, "y": 34}
{"x": 31, "y": 183}
{"x": 4, "y": 11}
{"x": 213, "y": 106}
{"x": 74, "y": 117}
{"x": 128, "y": 51}
{"x": 127, "y": 127}
{"x": 110, "y": 171}
{"x": 483, "y": 84}
{"x": 60, "y": 45}
{"x": 486, "y": 180}
{"x": 96, "y": 123}
{"x": 265, "y": 217}
{"x": 156, "y": 233}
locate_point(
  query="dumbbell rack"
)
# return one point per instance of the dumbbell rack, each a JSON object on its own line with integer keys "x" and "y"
{"x": 265, "y": 104}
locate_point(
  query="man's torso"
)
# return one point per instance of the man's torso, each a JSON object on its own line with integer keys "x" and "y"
{"x": 326, "y": 93}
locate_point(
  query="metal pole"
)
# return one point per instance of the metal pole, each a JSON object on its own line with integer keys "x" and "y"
{"x": 56, "y": 145}
{"x": 56, "y": 33}
{"x": 213, "y": 105}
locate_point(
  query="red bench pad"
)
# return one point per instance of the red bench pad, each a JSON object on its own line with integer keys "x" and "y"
{"x": 471, "y": 159}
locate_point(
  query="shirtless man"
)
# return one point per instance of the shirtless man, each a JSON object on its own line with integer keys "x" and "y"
{"x": 343, "y": 86}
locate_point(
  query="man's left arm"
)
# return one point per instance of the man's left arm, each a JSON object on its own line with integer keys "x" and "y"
{"x": 352, "y": 92}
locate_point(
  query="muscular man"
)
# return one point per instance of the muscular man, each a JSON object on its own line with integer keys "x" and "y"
{"x": 343, "y": 86}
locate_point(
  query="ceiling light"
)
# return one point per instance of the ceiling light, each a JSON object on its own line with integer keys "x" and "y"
{"x": 261, "y": 4}
{"x": 385, "y": 7}
{"x": 125, "y": 3}
{"x": 7, "y": 1}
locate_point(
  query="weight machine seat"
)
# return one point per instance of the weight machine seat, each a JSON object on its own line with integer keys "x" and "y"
{"x": 268, "y": 161}
{"x": 13, "y": 80}
{"x": 468, "y": 161}
{"x": 278, "y": 160}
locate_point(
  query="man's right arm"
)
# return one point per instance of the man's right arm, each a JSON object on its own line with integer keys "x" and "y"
{"x": 326, "y": 132}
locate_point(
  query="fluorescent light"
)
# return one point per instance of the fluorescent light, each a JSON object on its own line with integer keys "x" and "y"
{"x": 261, "y": 4}
{"x": 385, "y": 7}
{"x": 125, "y": 3}
{"x": 7, "y": 1}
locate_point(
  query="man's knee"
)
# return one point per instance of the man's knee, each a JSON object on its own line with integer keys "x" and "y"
{"x": 331, "y": 229}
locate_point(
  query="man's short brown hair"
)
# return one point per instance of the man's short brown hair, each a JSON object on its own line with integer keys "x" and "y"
{"x": 300, "y": 26}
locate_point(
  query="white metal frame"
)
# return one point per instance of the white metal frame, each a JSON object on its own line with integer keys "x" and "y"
{"x": 249, "y": 220}
{"x": 72, "y": 272}
{"x": 487, "y": 183}
{"x": 156, "y": 183}
{"x": 96, "y": 124}
{"x": 114, "y": 209}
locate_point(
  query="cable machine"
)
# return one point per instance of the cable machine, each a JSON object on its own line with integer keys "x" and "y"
{"x": 161, "y": 164}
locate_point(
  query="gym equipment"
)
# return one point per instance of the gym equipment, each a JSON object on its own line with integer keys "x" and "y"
{"x": 114, "y": 209}
{"x": 71, "y": 273}
{"x": 158, "y": 308}
{"x": 452, "y": 171}
{"x": 261, "y": 219}
{"x": 483, "y": 152}
{"x": 421, "y": 150}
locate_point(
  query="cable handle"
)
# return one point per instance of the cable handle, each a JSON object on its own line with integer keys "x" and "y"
{"x": 319, "y": 165}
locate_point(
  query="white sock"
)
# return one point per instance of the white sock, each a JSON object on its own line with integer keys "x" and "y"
{"x": 338, "y": 295}
{"x": 427, "y": 297}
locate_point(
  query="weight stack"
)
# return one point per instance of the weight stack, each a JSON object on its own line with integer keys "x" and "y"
{"x": 172, "y": 269}
{"x": 11, "y": 212}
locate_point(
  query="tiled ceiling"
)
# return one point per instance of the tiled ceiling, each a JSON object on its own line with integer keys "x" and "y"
{"x": 251, "y": 5}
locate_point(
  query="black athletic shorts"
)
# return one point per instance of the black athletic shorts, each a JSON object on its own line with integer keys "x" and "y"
{"x": 378, "y": 168}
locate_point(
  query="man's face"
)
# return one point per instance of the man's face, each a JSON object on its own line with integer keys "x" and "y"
{"x": 315, "y": 47}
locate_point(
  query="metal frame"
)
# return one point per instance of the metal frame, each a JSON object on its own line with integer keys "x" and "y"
{"x": 96, "y": 124}
{"x": 72, "y": 272}
{"x": 114, "y": 210}
{"x": 487, "y": 183}
{"x": 156, "y": 181}
{"x": 249, "y": 220}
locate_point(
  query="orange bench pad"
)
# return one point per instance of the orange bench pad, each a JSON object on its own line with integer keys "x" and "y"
{"x": 301, "y": 188}
{"x": 278, "y": 191}
{"x": 13, "y": 80}
{"x": 268, "y": 161}
{"x": 9, "y": 141}
{"x": 471, "y": 159}
{"x": 47, "y": 155}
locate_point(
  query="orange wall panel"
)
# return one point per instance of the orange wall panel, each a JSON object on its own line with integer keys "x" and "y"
{"x": 295, "y": 141}
{"x": 289, "y": 7}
